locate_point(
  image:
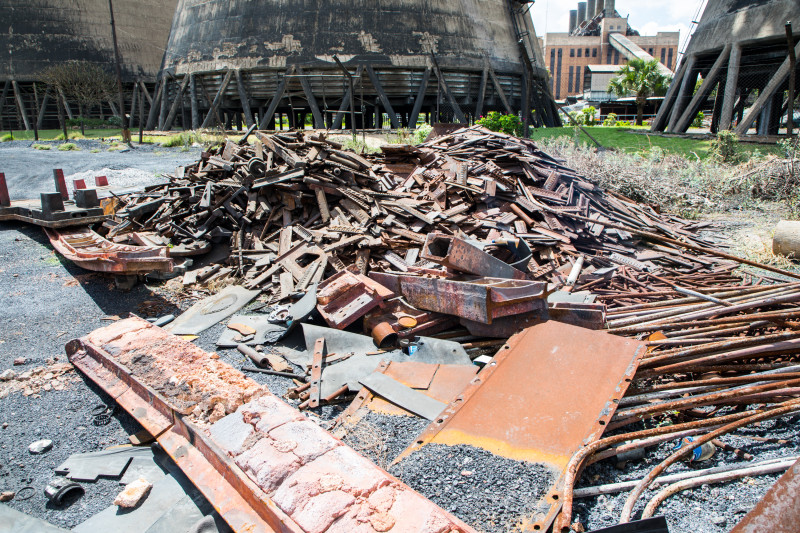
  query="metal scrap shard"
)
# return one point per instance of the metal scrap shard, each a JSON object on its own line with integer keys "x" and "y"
{"x": 463, "y": 256}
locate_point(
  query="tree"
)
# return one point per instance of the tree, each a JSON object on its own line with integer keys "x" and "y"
{"x": 642, "y": 79}
{"x": 85, "y": 83}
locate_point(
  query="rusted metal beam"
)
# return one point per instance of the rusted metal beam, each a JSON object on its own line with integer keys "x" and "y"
{"x": 463, "y": 256}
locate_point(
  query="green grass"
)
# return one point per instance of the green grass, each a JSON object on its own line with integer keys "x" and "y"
{"x": 624, "y": 139}
{"x": 57, "y": 135}
{"x": 68, "y": 147}
{"x": 41, "y": 146}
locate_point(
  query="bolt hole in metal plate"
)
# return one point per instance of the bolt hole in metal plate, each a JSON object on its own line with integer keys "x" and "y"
{"x": 548, "y": 396}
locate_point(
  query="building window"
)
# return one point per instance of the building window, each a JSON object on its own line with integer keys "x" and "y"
{"x": 558, "y": 75}
{"x": 616, "y": 57}
{"x": 594, "y": 52}
{"x": 571, "y": 79}
{"x": 650, "y": 51}
{"x": 552, "y": 67}
{"x": 577, "y": 79}
{"x": 579, "y": 52}
{"x": 587, "y": 52}
{"x": 663, "y": 56}
{"x": 610, "y": 50}
{"x": 669, "y": 61}
{"x": 571, "y": 52}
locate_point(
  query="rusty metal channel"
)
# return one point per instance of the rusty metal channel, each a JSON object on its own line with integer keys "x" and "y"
{"x": 548, "y": 392}
{"x": 243, "y": 505}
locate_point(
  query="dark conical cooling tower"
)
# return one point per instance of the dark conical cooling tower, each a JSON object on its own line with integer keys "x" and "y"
{"x": 36, "y": 34}
{"x": 272, "y": 56}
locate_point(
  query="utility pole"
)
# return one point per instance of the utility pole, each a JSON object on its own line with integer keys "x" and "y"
{"x": 126, "y": 134}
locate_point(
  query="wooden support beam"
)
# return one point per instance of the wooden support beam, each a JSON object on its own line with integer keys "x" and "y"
{"x": 162, "y": 112}
{"x": 684, "y": 92}
{"x": 277, "y": 97}
{"x": 423, "y": 87}
{"x": 731, "y": 88}
{"x": 449, "y": 95}
{"x": 113, "y": 107}
{"x": 6, "y": 88}
{"x": 248, "y": 114}
{"x": 146, "y": 92}
{"x": 345, "y": 106}
{"x": 193, "y": 99}
{"x": 178, "y": 102}
{"x": 21, "y": 105}
{"x": 373, "y": 77}
{"x": 482, "y": 92}
{"x": 66, "y": 104}
{"x": 319, "y": 121}
{"x": 134, "y": 102}
{"x": 497, "y": 86}
{"x": 702, "y": 93}
{"x": 42, "y": 107}
{"x": 767, "y": 93}
{"x": 218, "y": 98}
{"x": 152, "y": 116}
{"x": 660, "y": 122}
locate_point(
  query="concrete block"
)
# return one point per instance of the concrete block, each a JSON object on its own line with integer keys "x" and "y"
{"x": 305, "y": 439}
{"x": 86, "y": 198}
{"x": 268, "y": 412}
{"x": 320, "y": 511}
{"x": 231, "y": 433}
{"x": 266, "y": 466}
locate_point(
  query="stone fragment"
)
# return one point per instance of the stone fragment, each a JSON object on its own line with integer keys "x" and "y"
{"x": 40, "y": 446}
{"x": 20, "y": 361}
{"x": 6, "y": 496}
{"x": 134, "y": 493}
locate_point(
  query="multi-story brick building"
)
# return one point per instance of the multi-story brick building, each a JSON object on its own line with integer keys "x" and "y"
{"x": 598, "y": 35}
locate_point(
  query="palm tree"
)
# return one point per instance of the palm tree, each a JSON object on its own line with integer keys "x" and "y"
{"x": 641, "y": 78}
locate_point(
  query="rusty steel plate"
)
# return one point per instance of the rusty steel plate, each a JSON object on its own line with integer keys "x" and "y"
{"x": 778, "y": 511}
{"x": 547, "y": 393}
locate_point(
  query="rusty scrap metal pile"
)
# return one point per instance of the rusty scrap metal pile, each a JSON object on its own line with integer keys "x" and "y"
{"x": 477, "y": 235}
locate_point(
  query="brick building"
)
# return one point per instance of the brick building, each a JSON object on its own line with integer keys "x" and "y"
{"x": 598, "y": 35}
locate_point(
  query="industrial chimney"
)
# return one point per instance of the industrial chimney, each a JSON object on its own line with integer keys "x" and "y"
{"x": 581, "y": 12}
{"x": 591, "y": 9}
{"x": 611, "y": 8}
{"x": 600, "y": 6}
{"x": 573, "y": 20}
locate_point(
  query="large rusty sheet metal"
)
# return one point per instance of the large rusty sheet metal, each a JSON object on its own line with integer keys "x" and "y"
{"x": 779, "y": 510}
{"x": 470, "y": 297}
{"x": 91, "y": 251}
{"x": 460, "y": 255}
{"x": 547, "y": 393}
{"x": 243, "y": 505}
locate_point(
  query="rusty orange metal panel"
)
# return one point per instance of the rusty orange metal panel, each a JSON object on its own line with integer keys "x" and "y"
{"x": 91, "y": 251}
{"x": 778, "y": 511}
{"x": 547, "y": 393}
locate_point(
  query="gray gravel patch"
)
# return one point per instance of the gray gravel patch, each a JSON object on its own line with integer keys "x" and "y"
{"x": 489, "y": 492}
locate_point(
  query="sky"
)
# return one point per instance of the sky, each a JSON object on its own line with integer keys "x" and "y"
{"x": 647, "y": 16}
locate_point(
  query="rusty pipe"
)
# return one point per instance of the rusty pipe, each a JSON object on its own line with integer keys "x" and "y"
{"x": 774, "y": 348}
{"x": 756, "y": 470}
{"x": 576, "y": 461}
{"x": 645, "y": 482}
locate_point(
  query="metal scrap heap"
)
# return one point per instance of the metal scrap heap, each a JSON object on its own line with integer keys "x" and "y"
{"x": 298, "y": 208}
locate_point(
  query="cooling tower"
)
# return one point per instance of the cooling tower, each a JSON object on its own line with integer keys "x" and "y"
{"x": 455, "y": 59}
{"x": 741, "y": 49}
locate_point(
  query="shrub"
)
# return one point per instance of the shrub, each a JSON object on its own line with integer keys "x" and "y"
{"x": 68, "y": 147}
{"x": 508, "y": 124}
{"x": 41, "y": 146}
{"x": 589, "y": 115}
{"x": 611, "y": 120}
{"x": 725, "y": 148}
{"x": 698, "y": 120}
{"x": 422, "y": 132}
{"x": 7, "y": 137}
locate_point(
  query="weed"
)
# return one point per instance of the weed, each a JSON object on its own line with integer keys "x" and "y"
{"x": 95, "y": 150}
{"x": 725, "y": 147}
{"x": 41, "y": 147}
{"x": 187, "y": 138}
{"x": 68, "y": 147}
{"x": 495, "y": 121}
{"x": 7, "y": 137}
{"x": 422, "y": 132}
{"x": 359, "y": 146}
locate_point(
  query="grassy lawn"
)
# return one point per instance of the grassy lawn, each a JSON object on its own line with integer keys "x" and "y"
{"x": 625, "y": 139}
{"x": 52, "y": 135}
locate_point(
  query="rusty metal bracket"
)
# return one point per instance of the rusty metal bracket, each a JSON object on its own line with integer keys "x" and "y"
{"x": 346, "y": 296}
{"x": 473, "y": 298}
{"x": 461, "y": 255}
{"x": 315, "y": 392}
{"x": 547, "y": 393}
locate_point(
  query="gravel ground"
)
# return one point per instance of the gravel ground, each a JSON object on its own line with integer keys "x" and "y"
{"x": 490, "y": 492}
{"x": 29, "y": 171}
{"x": 381, "y": 438}
{"x": 47, "y": 302}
